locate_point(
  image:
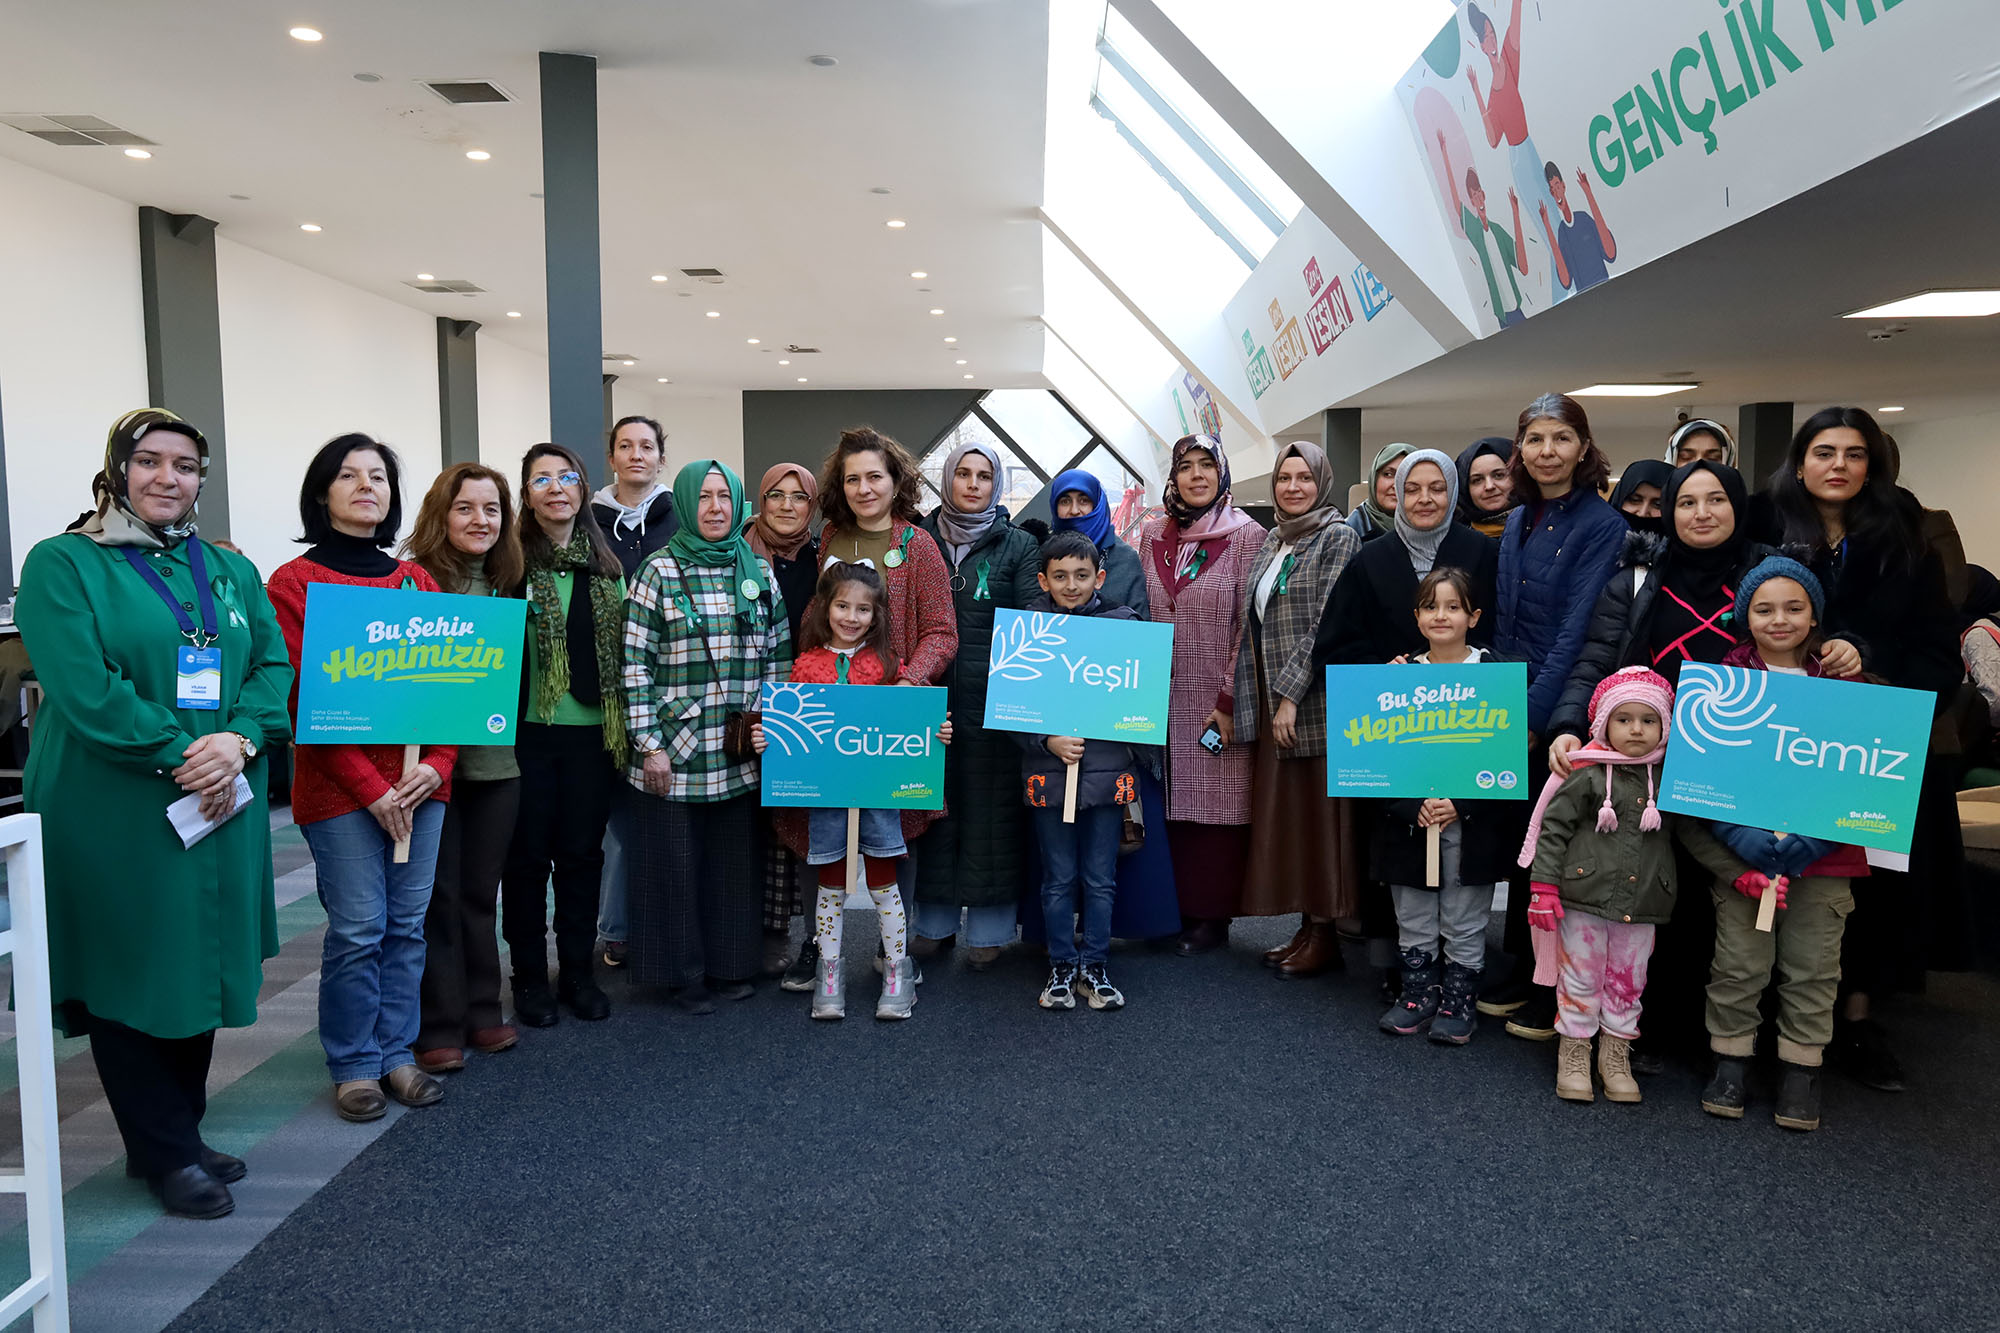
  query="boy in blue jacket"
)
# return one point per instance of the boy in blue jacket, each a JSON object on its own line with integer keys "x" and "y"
{"x": 1079, "y": 859}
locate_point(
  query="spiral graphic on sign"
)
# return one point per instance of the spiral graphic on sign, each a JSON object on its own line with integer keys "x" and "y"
{"x": 1711, "y": 708}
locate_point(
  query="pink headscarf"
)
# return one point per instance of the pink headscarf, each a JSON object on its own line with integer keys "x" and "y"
{"x": 1188, "y": 527}
{"x": 766, "y": 542}
{"x": 1634, "y": 684}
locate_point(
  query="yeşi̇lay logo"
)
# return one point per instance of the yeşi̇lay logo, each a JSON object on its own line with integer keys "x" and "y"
{"x": 497, "y": 723}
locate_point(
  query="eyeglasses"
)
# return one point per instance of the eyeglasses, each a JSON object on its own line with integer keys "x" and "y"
{"x": 782, "y": 497}
{"x": 544, "y": 481}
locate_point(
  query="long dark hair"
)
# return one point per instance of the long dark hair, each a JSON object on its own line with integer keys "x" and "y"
{"x": 321, "y": 473}
{"x": 816, "y": 630}
{"x": 902, "y": 470}
{"x": 1875, "y": 517}
{"x": 430, "y": 539}
{"x": 1593, "y": 469}
{"x": 535, "y": 545}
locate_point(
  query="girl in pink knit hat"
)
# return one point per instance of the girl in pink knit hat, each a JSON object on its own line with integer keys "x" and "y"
{"x": 1602, "y": 879}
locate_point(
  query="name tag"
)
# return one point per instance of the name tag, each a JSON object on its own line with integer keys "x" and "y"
{"x": 198, "y": 678}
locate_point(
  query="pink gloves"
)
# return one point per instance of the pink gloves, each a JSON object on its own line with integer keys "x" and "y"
{"x": 1545, "y": 906}
{"x": 1751, "y": 884}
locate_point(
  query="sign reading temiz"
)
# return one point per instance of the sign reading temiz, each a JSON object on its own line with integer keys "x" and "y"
{"x": 1457, "y": 732}
{"x": 392, "y": 666}
{"x": 1830, "y": 759}
{"x": 869, "y": 747}
{"x": 1058, "y": 675}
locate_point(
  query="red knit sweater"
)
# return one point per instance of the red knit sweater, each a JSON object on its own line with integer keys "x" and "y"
{"x": 333, "y": 780}
{"x": 820, "y": 666}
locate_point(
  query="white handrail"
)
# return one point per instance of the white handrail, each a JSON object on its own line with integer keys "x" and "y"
{"x": 46, "y": 1291}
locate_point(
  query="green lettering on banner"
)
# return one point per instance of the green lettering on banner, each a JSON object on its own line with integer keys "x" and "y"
{"x": 1630, "y": 131}
{"x": 1611, "y": 172}
{"x": 1685, "y": 59}
{"x": 1742, "y": 52}
{"x": 1864, "y": 9}
{"x": 1729, "y": 98}
{"x": 1764, "y": 40}
{"x": 1658, "y": 115}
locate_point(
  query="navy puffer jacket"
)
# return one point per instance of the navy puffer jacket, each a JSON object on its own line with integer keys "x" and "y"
{"x": 1550, "y": 576}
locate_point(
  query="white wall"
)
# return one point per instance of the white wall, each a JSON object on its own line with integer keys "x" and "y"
{"x": 1955, "y": 464}
{"x": 72, "y": 343}
{"x": 706, "y": 425}
{"x": 513, "y": 404}
{"x": 305, "y": 358}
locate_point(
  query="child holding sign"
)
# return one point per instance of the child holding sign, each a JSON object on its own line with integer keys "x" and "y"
{"x": 1445, "y": 923}
{"x": 844, "y": 640}
{"x": 1080, "y": 858}
{"x": 1611, "y": 854}
{"x": 1805, "y": 880}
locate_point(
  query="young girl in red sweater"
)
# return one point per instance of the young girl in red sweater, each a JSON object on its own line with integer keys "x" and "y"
{"x": 844, "y": 640}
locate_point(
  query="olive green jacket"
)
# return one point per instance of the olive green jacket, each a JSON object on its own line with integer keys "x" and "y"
{"x": 1624, "y": 876}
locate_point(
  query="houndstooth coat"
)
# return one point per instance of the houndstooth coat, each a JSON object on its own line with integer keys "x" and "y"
{"x": 1288, "y": 628}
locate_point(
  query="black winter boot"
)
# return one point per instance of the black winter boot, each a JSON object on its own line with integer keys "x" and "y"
{"x": 1726, "y": 1093}
{"x": 1457, "y": 1015}
{"x": 1798, "y": 1097}
{"x": 1421, "y": 992}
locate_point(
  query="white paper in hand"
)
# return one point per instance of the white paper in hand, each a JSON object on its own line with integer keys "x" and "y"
{"x": 185, "y": 814}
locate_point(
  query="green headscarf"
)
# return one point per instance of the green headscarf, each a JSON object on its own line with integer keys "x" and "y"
{"x": 691, "y": 548}
{"x": 1384, "y": 520}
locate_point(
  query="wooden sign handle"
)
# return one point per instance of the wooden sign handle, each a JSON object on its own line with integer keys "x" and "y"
{"x": 853, "y": 848}
{"x": 1767, "y": 908}
{"x": 1069, "y": 794}
{"x": 1432, "y": 835}
{"x": 402, "y": 856}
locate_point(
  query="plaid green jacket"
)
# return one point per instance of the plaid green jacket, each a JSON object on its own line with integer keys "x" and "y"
{"x": 690, "y": 663}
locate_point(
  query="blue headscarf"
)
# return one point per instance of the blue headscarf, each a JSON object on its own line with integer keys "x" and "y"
{"x": 1095, "y": 525}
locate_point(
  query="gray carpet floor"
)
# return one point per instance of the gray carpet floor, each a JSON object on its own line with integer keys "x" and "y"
{"x": 1230, "y": 1151}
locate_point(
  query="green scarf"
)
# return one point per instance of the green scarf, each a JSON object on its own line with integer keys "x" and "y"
{"x": 607, "y": 623}
{"x": 690, "y": 548}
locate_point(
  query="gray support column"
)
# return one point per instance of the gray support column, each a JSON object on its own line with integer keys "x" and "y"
{"x": 1342, "y": 435}
{"x": 569, "y": 227}
{"x": 1763, "y": 434}
{"x": 184, "y": 339}
{"x": 6, "y": 525}
{"x": 610, "y": 415}
{"x": 458, "y": 390}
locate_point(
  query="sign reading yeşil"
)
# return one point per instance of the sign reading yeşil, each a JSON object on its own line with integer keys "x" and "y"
{"x": 1411, "y": 730}
{"x": 1831, "y": 759}
{"x": 871, "y": 747}
{"x": 1059, "y": 675}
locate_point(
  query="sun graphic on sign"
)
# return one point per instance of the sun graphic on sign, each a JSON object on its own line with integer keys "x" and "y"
{"x": 795, "y": 719}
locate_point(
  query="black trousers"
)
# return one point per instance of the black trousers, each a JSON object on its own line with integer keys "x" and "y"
{"x": 565, "y": 802}
{"x": 461, "y": 987}
{"x": 158, "y": 1090}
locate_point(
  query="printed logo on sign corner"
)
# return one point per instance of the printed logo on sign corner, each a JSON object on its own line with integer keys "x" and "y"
{"x": 795, "y": 720}
{"x": 1712, "y": 710}
{"x": 1508, "y": 781}
{"x": 1485, "y": 779}
{"x": 1313, "y": 280}
{"x": 913, "y": 791}
{"x": 497, "y": 723}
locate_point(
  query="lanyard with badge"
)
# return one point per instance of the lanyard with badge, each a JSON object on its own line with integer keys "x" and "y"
{"x": 197, "y": 663}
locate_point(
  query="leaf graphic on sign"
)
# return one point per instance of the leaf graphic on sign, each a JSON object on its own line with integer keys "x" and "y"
{"x": 795, "y": 719}
{"x": 1017, "y": 648}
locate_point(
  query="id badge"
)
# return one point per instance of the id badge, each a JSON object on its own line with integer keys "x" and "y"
{"x": 199, "y": 678}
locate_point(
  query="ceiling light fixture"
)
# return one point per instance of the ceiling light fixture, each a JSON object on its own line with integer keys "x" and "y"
{"x": 307, "y": 34}
{"x": 139, "y": 154}
{"x": 426, "y": 277}
{"x": 1935, "y": 305}
{"x": 784, "y": 363}
{"x": 897, "y": 223}
{"x": 919, "y": 273}
{"x": 1629, "y": 390}
{"x": 961, "y": 361}
{"x": 513, "y": 314}
{"x": 1889, "y": 409}
{"x": 309, "y": 226}
{"x": 802, "y": 379}
{"x": 715, "y": 314}
{"x": 878, "y": 189}
{"x": 937, "y": 310}
{"x": 968, "y": 376}
{"x": 951, "y": 340}
{"x": 478, "y": 154}
{"x": 659, "y": 277}
{"x": 366, "y": 77}
{"x": 665, "y": 380}
{"x": 824, "y": 62}
{"x": 753, "y": 341}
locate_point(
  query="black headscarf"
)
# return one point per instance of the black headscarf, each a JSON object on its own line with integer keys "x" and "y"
{"x": 1501, "y": 448}
{"x": 1648, "y": 472}
{"x": 1698, "y": 573}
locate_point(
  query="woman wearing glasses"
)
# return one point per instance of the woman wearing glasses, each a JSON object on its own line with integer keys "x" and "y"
{"x": 782, "y": 534}
{"x": 570, "y": 742}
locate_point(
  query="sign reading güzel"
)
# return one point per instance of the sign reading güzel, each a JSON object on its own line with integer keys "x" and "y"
{"x": 872, "y": 747}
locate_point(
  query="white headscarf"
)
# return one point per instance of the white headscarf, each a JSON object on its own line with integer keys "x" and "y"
{"x": 1423, "y": 543}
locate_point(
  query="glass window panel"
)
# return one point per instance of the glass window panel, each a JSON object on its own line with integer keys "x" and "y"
{"x": 1182, "y": 163}
{"x": 1019, "y": 486}
{"x": 1195, "y": 110}
{"x": 1038, "y": 423}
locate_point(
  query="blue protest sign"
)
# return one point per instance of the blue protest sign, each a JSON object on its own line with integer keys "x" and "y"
{"x": 1058, "y": 675}
{"x": 873, "y": 747}
{"x": 393, "y": 666}
{"x": 1457, "y": 732}
{"x": 1832, "y": 759}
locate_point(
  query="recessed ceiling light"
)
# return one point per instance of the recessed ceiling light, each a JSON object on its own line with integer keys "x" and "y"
{"x": 1935, "y": 305}
{"x": 878, "y": 189}
{"x": 802, "y": 379}
{"x": 968, "y": 376}
{"x": 898, "y": 223}
{"x": 513, "y": 314}
{"x": 478, "y": 154}
{"x": 715, "y": 314}
{"x": 629, "y": 363}
{"x": 139, "y": 153}
{"x": 426, "y": 277}
{"x": 1629, "y": 390}
{"x": 937, "y": 310}
{"x": 1889, "y": 409}
{"x": 919, "y": 273}
{"x": 659, "y": 277}
{"x": 960, "y": 361}
{"x": 309, "y": 226}
{"x": 365, "y": 77}
{"x": 307, "y": 34}
{"x": 951, "y": 340}
{"x": 753, "y": 341}
{"x": 784, "y": 363}
{"x": 665, "y": 380}
{"x": 824, "y": 62}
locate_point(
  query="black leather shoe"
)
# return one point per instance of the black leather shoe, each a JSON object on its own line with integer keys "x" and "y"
{"x": 732, "y": 990}
{"x": 585, "y": 999}
{"x": 221, "y": 1165}
{"x": 535, "y": 1004}
{"x": 1203, "y": 937}
{"x": 695, "y": 999}
{"x": 192, "y": 1192}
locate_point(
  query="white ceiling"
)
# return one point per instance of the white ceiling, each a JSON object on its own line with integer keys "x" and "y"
{"x": 720, "y": 146}
{"x": 1753, "y": 313}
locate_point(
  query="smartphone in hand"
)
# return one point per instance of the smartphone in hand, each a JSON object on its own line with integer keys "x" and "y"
{"x": 1211, "y": 741}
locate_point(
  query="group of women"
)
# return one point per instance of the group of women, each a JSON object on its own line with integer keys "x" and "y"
{"x": 656, "y": 611}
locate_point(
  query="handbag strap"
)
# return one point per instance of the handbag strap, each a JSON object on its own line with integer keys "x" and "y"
{"x": 700, "y": 623}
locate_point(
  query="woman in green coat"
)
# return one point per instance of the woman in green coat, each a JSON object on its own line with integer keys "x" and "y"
{"x": 973, "y": 860}
{"x": 165, "y": 678}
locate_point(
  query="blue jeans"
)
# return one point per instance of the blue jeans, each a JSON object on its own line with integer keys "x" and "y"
{"x": 373, "y": 961}
{"x": 881, "y": 835}
{"x": 985, "y": 927}
{"x": 611, "y": 895}
{"x": 1079, "y": 860}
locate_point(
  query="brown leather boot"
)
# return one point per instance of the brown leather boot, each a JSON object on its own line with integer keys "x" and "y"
{"x": 1273, "y": 957}
{"x": 1319, "y": 954}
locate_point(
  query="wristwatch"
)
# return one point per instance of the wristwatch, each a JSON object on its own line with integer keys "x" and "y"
{"x": 249, "y": 750}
